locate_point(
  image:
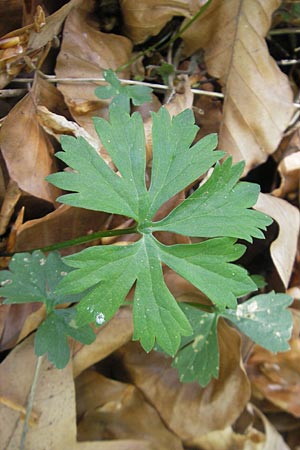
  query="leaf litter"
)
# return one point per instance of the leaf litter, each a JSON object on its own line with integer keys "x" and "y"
{"x": 110, "y": 346}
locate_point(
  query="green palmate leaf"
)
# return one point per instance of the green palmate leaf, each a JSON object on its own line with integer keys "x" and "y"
{"x": 33, "y": 278}
{"x": 198, "y": 356}
{"x": 51, "y": 336}
{"x": 109, "y": 272}
{"x": 113, "y": 270}
{"x": 122, "y": 95}
{"x": 265, "y": 319}
{"x": 206, "y": 266}
{"x": 219, "y": 208}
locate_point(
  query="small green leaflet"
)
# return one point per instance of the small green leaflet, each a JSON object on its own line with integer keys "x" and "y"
{"x": 51, "y": 336}
{"x": 122, "y": 95}
{"x": 219, "y": 208}
{"x": 264, "y": 318}
{"x": 34, "y": 278}
{"x": 109, "y": 272}
{"x": 198, "y": 355}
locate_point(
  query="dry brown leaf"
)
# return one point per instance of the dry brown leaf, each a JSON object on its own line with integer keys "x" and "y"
{"x": 18, "y": 322}
{"x": 283, "y": 249}
{"x": 26, "y": 149}
{"x": 11, "y": 198}
{"x": 152, "y": 15}
{"x": 11, "y": 17}
{"x": 109, "y": 409}
{"x": 30, "y": 44}
{"x": 88, "y": 57}
{"x": 276, "y": 377}
{"x": 117, "y": 332}
{"x": 54, "y": 406}
{"x": 258, "y": 101}
{"x": 189, "y": 410}
{"x": 61, "y": 225}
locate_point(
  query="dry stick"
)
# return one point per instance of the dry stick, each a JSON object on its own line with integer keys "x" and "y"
{"x": 30, "y": 402}
{"x": 162, "y": 87}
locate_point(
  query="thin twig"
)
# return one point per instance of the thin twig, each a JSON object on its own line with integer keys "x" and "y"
{"x": 158, "y": 87}
{"x": 284, "y": 31}
{"x": 30, "y": 402}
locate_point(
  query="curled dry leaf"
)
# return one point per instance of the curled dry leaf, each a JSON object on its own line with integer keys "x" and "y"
{"x": 283, "y": 249}
{"x": 258, "y": 101}
{"x": 257, "y": 436}
{"x": 289, "y": 169}
{"x": 152, "y": 15}
{"x": 58, "y": 125}
{"x": 54, "y": 406}
{"x": 189, "y": 410}
{"x": 87, "y": 57}
{"x": 109, "y": 409}
{"x": 30, "y": 43}
{"x": 26, "y": 149}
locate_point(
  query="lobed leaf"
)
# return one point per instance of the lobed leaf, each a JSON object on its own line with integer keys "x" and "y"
{"x": 207, "y": 266}
{"x": 51, "y": 337}
{"x": 122, "y": 95}
{"x": 198, "y": 356}
{"x": 265, "y": 319}
{"x": 220, "y": 207}
{"x": 33, "y": 278}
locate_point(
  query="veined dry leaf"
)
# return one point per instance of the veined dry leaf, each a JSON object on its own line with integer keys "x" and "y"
{"x": 152, "y": 15}
{"x": 283, "y": 249}
{"x": 54, "y": 405}
{"x": 88, "y": 57}
{"x": 26, "y": 149}
{"x": 109, "y": 409}
{"x": 189, "y": 410}
{"x": 258, "y": 98}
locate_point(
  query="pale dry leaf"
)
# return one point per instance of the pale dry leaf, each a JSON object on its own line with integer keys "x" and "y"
{"x": 258, "y": 435}
{"x": 54, "y": 405}
{"x": 26, "y": 149}
{"x": 150, "y": 16}
{"x": 283, "y": 249}
{"x": 258, "y": 101}
{"x": 289, "y": 169}
{"x": 109, "y": 409}
{"x": 189, "y": 410}
{"x": 58, "y": 125}
{"x": 87, "y": 57}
